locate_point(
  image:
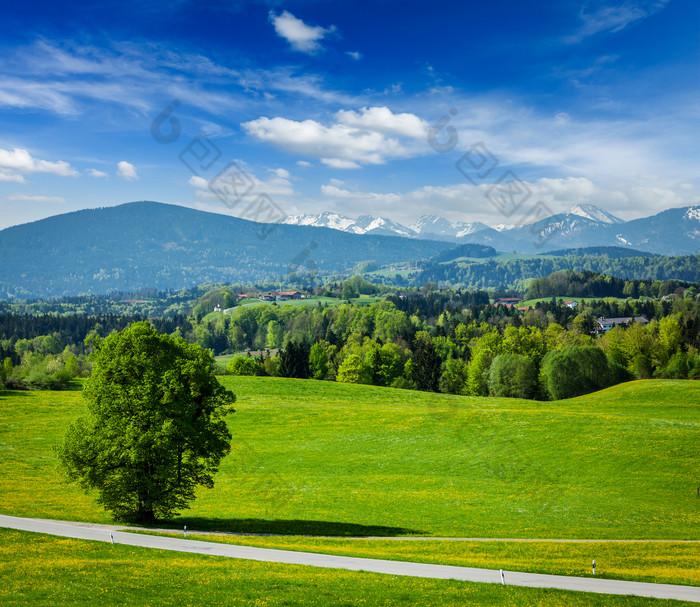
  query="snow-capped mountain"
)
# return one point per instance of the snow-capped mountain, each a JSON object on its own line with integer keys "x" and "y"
{"x": 323, "y": 220}
{"x": 671, "y": 232}
{"x": 675, "y": 231}
{"x": 365, "y": 224}
{"x": 439, "y": 228}
{"x": 381, "y": 225}
{"x": 594, "y": 213}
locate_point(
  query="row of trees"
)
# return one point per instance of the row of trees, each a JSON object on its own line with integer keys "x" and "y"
{"x": 569, "y": 283}
{"x": 461, "y": 355}
{"x": 40, "y": 363}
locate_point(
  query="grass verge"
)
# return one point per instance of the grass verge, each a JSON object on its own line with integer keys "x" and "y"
{"x": 42, "y": 570}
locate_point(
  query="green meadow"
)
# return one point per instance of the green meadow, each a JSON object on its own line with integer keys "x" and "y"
{"x": 314, "y": 458}
{"x": 322, "y": 458}
{"x": 649, "y": 561}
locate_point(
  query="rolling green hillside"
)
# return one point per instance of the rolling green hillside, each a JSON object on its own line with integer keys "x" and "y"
{"x": 324, "y": 458}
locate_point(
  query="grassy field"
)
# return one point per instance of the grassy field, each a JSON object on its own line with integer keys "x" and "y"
{"x": 534, "y": 302}
{"x": 659, "y": 562}
{"x": 313, "y": 302}
{"x": 43, "y": 570}
{"x": 321, "y": 458}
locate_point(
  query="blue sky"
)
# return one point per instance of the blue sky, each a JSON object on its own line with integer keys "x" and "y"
{"x": 339, "y": 106}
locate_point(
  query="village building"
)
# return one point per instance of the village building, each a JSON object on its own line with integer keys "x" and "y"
{"x": 605, "y": 324}
{"x": 287, "y": 295}
{"x": 507, "y": 301}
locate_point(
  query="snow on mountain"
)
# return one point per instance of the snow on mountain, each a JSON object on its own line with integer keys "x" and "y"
{"x": 500, "y": 227}
{"x": 594, "y": 213}
{"x": 471, "y": 228}
{"x": 365, "y": 224}
{"x": 382, "y": 225}
{"x": 321, "y": 220}
{"x": 675, "y": 231}
{"x": 434, "y": 226}
{"x": 692, "y": 213}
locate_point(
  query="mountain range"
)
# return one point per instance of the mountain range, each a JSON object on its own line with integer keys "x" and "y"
{"x": 672, "y": 232}
{"x": 151, "y": 244}
{"x": 156, "y": 245}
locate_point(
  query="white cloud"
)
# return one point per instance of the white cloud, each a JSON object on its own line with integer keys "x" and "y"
{"x": 467, "y": 202}
{"x": 68, "y": 79}
{"x": 339, "y": 163}
{"x": 686, "y": 186}
{"x": 655, "y": 198}
{"x": 615, "y": 18}
{"x": 35, "y": 198}
{"x": 303, "y": 163}
{"x": 282, "y": 173}
{"x": 198, "y": 182}
{"x": 17, "y": 162}
{"x": 337, "y": 182}
{"x": 356, "y": 55}
{"x": 97, "y": 174}
{"x": 356, "y": 138}
{"x": 127, "y": 171}
{"x": 302, "y": 37}
{"x": 6, "y": 175}
{"x": 335, "y": 192}
{"x": 383, "y": 120}
{"x": 276, "y": 186}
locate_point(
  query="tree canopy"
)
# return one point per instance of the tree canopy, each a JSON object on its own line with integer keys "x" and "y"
{"x": 154, "y": 429}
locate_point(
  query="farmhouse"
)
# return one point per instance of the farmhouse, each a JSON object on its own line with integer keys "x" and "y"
{"x": 508, "y": 301}
{"x": 605, "y": 324}
{"x": 286, "y": 295}
{"x": 267, "y": 297}
{"x": 571, "y": 304}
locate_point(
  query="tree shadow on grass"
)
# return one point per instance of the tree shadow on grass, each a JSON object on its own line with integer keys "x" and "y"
{"x": 14, "y": 393}
{"x": 286, "y": 527}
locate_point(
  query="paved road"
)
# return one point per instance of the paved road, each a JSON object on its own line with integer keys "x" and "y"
{"x": 102, "y": 533}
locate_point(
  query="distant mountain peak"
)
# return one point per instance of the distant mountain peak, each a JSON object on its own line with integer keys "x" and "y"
{"x": 594, "y": 213}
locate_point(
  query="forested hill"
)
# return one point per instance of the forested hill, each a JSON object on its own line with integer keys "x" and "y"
{"x": 149, "y": 244}
{"x": 502, "y": 273}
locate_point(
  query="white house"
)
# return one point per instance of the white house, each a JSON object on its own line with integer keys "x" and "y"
{"x": 605, "y": 324}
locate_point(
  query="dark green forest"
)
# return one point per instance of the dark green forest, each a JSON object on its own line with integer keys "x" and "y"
{"x": 500, "y": 274}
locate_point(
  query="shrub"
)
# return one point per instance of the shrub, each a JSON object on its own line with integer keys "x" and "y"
{"x": 243, "y": 365}
{"x": 513, "y": 375}
{"x": 453, "y": 377}
{"x": 575, "y": 370}
{"x": 353, "y": 370}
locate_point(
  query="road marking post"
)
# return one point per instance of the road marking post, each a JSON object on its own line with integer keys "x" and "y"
{"x": 503, "y": 578}
{"x": 111, "y": 538}
{"x": 185, "y": 530}
{"x": 593, "y": 566}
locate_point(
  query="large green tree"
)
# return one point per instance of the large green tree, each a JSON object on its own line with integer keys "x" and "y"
{"x": 513, "y": 375}
{"x": 154, "y": 429}
{"x": 575, "y": 370}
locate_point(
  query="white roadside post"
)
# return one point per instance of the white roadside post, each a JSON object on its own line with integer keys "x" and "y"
{"x": 111, "y": 538}
{"x": 185, "y": 530}
{"x": 503, "y": 578}
{"x": 593, "y": 566}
